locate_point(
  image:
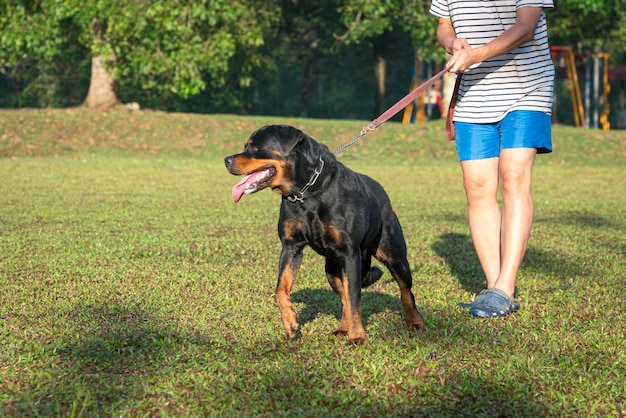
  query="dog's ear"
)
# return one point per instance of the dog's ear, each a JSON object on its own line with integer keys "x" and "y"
{"x": 288, "y": 137}
{"x": 294, "y": 140}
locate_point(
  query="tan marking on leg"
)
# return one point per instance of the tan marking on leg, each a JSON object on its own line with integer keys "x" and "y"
{"x": 283, "y": 300}
{"x": 342, "y": 329}
{"x": 354, "y": 319}
{"x": 380, "y": 256}
{"x": 413, "y": 318}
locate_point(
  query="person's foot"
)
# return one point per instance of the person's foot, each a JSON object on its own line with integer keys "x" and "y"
{"x": 491, "y": 303}
{"x": 467, "y": 305}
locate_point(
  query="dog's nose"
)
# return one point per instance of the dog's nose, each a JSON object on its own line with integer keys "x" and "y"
{"x": 228, "y": 160}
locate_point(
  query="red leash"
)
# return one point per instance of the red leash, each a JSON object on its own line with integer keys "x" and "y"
{"x": 401, "y": 104}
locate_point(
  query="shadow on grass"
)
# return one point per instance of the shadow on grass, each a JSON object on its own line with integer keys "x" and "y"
{"x": 586, "y": 219}
{"x": 114, "y": 352}
{"x": 123, "y": 360}
{"x": 458, "y": 252}
{"x": 456, "y": 396}
{"x": 302, "y": 389}
{"x": 325, "y": 301}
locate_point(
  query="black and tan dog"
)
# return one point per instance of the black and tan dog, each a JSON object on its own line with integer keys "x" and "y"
{"x": 344, "y": 216}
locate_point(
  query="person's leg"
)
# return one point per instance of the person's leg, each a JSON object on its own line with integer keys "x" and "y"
{"x": 478, "y": 148}
{"x": 500, "y": 236}
{"x": 523, "y": 135}
{"x": 516, "y": 166}
{"x": 480, "y": 179}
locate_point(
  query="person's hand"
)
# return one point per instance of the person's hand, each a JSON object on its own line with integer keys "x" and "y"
{"x": 456, "y": 44}
{"x": 462, "y": 59}
{"x": 464, "y": 56}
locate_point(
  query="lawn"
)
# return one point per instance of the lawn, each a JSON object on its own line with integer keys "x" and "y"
{"x": 132, "y": 285}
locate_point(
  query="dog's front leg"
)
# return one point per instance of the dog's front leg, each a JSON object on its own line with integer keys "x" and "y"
{"x": 290, "y": 260}
{"x": 351, "y": 300}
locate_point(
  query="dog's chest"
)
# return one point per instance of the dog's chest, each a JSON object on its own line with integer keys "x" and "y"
{"x": 321, "y": 232}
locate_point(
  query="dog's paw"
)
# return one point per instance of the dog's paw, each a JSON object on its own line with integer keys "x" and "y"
{"x": 358, "y": 341}
{"x": 418, "y": 328}
{"x": 340, "y": 333}
{"x": 358, "y": 338}
{"x": 415, "y": 320}
{"x": 293, "y": 333}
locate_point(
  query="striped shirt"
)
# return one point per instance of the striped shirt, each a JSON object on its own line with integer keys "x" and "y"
{"x": 522, "y": 79}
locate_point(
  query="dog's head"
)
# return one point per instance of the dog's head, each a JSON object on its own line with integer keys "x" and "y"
{"x": 275, "y": 156}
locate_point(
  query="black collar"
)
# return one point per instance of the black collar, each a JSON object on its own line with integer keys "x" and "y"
{"x": 299, "y": 197}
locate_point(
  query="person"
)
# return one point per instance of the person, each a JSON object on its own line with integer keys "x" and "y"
{"x": 435, "y": 103}
{"x": 502, "y": 121}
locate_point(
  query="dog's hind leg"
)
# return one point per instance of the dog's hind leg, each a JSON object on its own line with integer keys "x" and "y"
{"x": 370, "y": 275}
{"x": 392, "y": 253}
{"x": 290, "y": 261}
{"x": 401, "y": 272}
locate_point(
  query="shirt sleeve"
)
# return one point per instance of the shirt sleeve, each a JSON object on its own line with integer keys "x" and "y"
{"x": 439, "y": 8}
{"x": 546, "y": 4}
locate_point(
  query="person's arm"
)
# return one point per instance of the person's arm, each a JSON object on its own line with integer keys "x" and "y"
{"x": 447, "y": 37}
{"x": 464, "y": 56}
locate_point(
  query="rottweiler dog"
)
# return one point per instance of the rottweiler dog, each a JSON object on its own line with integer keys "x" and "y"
{"x": 344, "y": 216}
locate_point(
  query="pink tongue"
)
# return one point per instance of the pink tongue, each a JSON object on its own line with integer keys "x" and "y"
{"x": 240, "y": 188}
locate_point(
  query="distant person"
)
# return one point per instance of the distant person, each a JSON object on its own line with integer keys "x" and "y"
{"x": 435, "y": 102}
{"x": 502, "y": 121}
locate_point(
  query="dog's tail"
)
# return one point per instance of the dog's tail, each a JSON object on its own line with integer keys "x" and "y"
{"x": 371, "y": 277}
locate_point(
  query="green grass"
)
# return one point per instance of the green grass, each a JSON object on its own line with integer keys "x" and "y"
{"x": 131, "y": 285}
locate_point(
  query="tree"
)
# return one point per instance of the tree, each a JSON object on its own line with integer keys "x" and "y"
{"x": 168, "y": 47}
{"x": 304, "y": 38}
{"x": 372, "y": 21}
{"x": 587, "y": 24}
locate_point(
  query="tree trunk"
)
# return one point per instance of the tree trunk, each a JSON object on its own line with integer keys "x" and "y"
{"x": 101, "y": 93}
{"x": 102, "y": 87}
{"x": 308, "y": 81}
{"x": 380, "y": 67}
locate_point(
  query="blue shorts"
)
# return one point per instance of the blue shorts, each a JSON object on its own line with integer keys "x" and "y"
{"x": 518, "y": 129}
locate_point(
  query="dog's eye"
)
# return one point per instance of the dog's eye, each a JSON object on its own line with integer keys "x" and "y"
{"x": 251, "y": 148}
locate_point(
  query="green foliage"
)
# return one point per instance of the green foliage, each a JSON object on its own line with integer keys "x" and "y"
{"x": 131, "y": 285}
{"x": 58, "y": 81}
{"x": 587, "y": 24}
{"x": 180, "y": 49}
{"x": 220, "y": 56}
{"x": 161, "y": 46}
{"x": 367, "y": 19}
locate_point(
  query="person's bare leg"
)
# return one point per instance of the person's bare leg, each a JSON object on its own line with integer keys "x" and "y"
{"x": 500, "y": 237}
{"x": 516, "y": 166}
{"x": 480, "y": 179}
